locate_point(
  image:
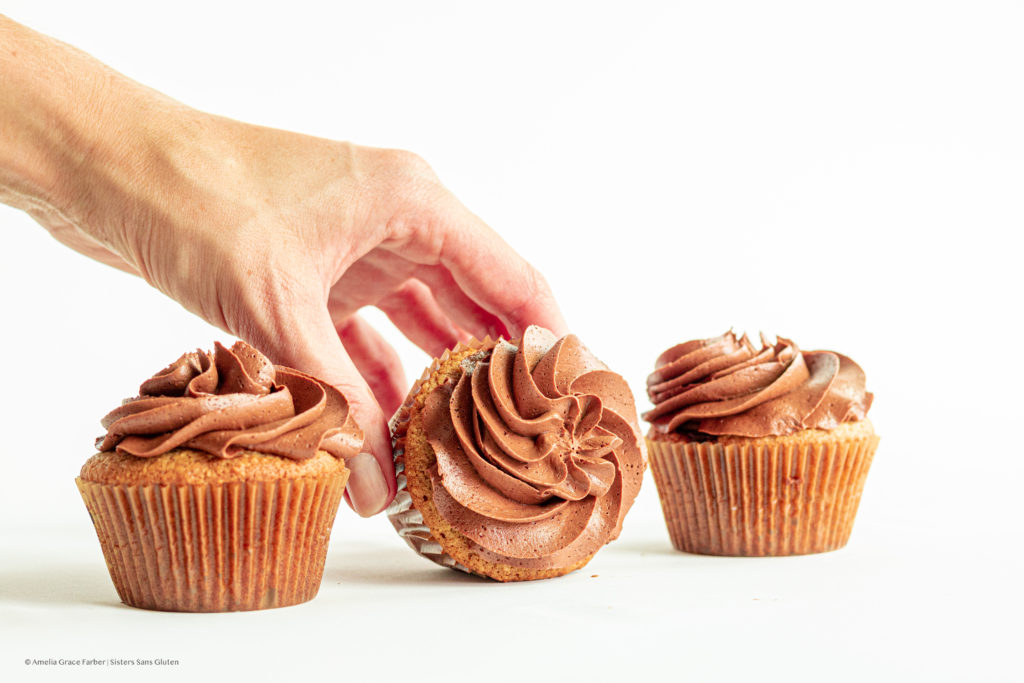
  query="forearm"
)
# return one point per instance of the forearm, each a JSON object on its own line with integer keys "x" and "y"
{"x": 74, "y": 134}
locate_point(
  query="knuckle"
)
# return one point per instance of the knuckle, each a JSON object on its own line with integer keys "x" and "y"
{"x": 404, "y": 170}
{"x": 410, "y": 194}
{"x": 411, "y": 292}
{"x": 409, "y": 162}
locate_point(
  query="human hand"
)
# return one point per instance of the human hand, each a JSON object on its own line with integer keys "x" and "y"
{"x": 280, "y": 238}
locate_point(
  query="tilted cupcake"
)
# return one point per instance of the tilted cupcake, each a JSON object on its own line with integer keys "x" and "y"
{"x": 517, "y": 460}
{"x": 216, "y": 488}
{"x": 758, "y": 451}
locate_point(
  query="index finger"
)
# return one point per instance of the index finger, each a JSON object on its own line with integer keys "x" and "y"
{"x": 491, "y": 273}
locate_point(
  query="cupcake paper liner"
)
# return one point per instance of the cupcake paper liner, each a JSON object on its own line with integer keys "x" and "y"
{"x": 215, "y": 547}
{"x": 407, "y": 520}
{"x": 759, "y": 500}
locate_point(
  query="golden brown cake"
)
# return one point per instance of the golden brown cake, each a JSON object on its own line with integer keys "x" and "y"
{"x": 758, "y": 451}
{"x": 216, "y": 488}
{"x": 517, "y": 460}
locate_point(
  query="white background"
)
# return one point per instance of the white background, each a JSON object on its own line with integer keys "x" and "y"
{"x": 847, "y": 177}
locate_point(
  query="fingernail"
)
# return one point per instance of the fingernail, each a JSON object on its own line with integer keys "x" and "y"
{"x": 367, "y": 487}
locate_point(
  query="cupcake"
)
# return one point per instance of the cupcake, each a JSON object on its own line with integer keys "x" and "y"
{"x": 758, "y": 451}
{"x": 517, "y": 460}
{"x": 216, "y": 488}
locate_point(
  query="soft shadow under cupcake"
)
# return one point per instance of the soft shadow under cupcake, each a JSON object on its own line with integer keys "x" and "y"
{"x": 368, "y": 564}
{"x": 645, "y": 547}
{"x": 56, "y": 584}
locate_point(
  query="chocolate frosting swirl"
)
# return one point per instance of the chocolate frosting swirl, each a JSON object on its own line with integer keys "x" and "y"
{"x": 726, "y": 385}
{"x": 232, "y": 400}
{"x": 538, "y": 450}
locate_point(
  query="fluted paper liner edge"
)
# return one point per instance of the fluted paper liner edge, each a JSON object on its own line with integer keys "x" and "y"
{"x": 407, "y": 520}
{"x": 215, "y": 547}
{"x": 737, "y": 500}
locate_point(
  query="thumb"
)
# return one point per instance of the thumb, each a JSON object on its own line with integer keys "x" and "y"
{"x": 317, "y": 350}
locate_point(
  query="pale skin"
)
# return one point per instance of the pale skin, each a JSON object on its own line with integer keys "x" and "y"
{"x": 275, "y": 237}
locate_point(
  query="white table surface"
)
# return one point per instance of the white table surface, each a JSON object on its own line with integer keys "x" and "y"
{"x": 849, "y": 176}
{"x": 902, "y": 601}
